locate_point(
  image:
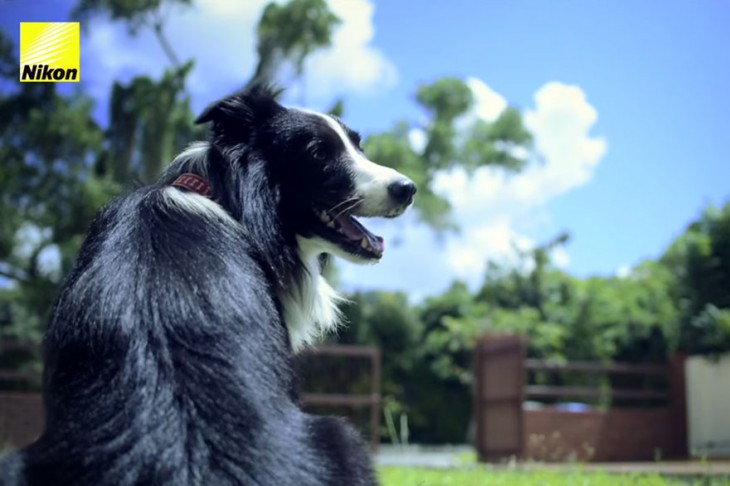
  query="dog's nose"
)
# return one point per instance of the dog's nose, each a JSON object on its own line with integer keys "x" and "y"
{"x": 402, "y": 190}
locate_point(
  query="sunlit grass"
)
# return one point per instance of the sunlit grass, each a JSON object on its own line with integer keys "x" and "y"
{"x": 479, "y": 476}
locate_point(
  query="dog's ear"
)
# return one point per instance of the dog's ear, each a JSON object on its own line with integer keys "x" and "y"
{"x": 243, "y": 108}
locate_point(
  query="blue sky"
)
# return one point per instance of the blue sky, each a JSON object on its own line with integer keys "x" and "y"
{"x": 629, "y": 98}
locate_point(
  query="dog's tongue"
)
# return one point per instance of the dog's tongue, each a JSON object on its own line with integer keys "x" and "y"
{"x": 356, "y": 231}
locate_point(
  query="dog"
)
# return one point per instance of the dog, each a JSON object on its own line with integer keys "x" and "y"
{"x": 168, "y": 358}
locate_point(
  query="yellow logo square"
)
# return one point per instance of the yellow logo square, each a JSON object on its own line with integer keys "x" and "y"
{"x": 50, "y": 52}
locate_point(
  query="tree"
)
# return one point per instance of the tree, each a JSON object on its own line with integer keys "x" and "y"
{"x": 47, "y": 195}
{"x": 700, "y": 261}
{"x": 59, "y": 166}
{"x": 136, "y": 14}
{"x": 291, "y": 33}
{"x": 150, "y": 122}
{"x": 448, "y": 145}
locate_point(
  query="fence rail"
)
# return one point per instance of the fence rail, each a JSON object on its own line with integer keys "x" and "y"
{"x": 540, "y": 391}
{"x": 558, "y": 392}
{"x": 373, "y": 400}
{"x": 21, "y": 376}
{"x": 641, "y": 407}
{"x": 340, "y": 399}
{"x": 592, "y": 367}
{"x": 13, "y": 345}
{"x": 364, "y": 354}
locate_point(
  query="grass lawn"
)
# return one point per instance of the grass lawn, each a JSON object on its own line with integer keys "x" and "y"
{"x": 478, "y": 476}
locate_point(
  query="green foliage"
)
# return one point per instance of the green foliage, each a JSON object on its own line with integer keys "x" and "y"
{"x": 679, "y": 302}
{"x": 445, "y": 99}
{"x": 47, "y": 196}
{"x": 709, "y": 331}
{"x": 135, "y": 13}
{"x": 700, "y": 260}
{"x": 442, "y": 375}
{"x": 449, "y": 143}
{"x": 150, "y": 122}
{"x": 632, "y": 319}
{"x": 292, "y": 32}
{"x": 394, "y": 150}
{"x": 59, "y": 167}
{"x": 338, "y": 108}
{"x": 385, "y": 320}
{"x": 8, "y": 61}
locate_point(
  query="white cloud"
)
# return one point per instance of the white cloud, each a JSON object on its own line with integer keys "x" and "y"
{"x": 492, "y": 206}
{"x": 560, "y": 258}
{"x": 496, "y": 211}
{"x": 488, "y": 104}
{"x": 220, "y": 36}
{"x": 561, "y": 122}
{"x": 623, "y": 271}
{"x": 496, "y": 240}
{"x": 417, "y": 139}
{"x": 351, "y": 63}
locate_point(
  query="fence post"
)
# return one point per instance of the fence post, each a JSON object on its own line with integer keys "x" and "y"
{"x": 678, "y": 384}
{"x": 499, "y": 392}
{"x": 377, "y": 402}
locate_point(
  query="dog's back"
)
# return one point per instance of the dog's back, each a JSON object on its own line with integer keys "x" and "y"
{"x": 166, "y": 363}
{"x": 167, "y": 360}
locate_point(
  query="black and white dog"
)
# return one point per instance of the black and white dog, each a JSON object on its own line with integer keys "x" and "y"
{"x": 168, "y": 359}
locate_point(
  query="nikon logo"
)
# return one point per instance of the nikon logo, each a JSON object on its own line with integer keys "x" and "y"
{"x": 43, "y": 72}
{"x": 49, "y": 52}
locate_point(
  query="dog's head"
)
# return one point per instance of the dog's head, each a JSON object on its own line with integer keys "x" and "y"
{"x": 316, "y": 165}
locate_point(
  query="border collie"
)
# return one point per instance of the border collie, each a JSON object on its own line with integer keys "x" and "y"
{"x": 168, "y": 358}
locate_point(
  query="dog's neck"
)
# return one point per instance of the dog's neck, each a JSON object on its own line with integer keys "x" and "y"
{"x": 308, "y": 303}
{"x": 309, "y": 306}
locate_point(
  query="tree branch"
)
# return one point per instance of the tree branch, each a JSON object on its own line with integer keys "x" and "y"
{"x": 18, "y": 277}
{"x": 166, "y": 46}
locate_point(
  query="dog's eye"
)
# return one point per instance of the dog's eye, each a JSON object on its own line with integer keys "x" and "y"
{"x": 356, "y": 139}
{"x": 319, "y": 151}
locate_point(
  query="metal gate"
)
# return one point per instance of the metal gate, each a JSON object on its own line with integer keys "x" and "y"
{"x": 498, "y": 395}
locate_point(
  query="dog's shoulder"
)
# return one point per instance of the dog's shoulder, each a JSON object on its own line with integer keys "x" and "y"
{"x": 11, "y": 469}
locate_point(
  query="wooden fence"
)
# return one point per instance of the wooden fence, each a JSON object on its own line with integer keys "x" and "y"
{"x": 334, "y": 378}
{"x": 343, "y": 378}
{"x": 625, "y": 412}
{"x": 592, "y": 392}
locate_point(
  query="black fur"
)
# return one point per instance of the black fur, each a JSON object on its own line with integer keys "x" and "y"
{"x": 167, "y": 361}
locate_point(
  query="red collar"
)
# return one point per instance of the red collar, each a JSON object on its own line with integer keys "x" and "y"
{"x": 193, "y": 182}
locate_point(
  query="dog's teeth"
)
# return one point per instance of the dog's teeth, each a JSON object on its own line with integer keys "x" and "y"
{"x": 331, "y": 224}
{"x": 324, "y": 217}
{"x": 364, "y": 243}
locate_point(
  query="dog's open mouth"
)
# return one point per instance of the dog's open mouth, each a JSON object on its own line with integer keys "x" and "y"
{"x": 349, "y": 234}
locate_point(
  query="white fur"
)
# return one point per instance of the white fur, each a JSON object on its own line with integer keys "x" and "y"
{"x": 310, "y": 308}
{"x": 193, "y": 159}
{"x": 195, "y": 203}
{"x": 371, "y": 179}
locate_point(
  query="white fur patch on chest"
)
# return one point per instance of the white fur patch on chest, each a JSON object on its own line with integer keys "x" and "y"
{"x": 310, "y": 306}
